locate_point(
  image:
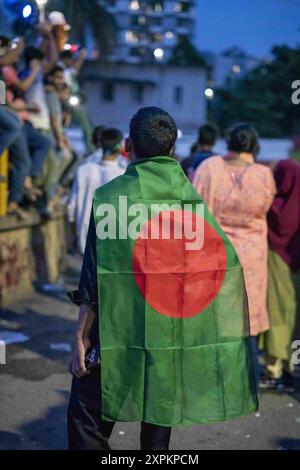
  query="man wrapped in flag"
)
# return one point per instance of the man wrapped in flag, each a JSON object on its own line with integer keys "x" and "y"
{"x": 162, "y": 299}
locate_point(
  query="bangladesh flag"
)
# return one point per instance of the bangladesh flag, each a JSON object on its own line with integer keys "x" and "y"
{"x": 174, "y": 328}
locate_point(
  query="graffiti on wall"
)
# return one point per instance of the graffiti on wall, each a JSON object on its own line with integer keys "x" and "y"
{"x": 14, "y": 264}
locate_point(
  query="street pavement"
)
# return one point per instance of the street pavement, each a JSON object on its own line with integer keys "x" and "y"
{"x": 35, "y": 384}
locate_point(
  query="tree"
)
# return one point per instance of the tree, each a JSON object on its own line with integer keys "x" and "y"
{"x": 263, "y": 96}
{"x": 185, "y": 54}
{"x": 91, "y": 13}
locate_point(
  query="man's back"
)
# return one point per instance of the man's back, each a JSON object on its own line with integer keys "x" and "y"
{"x": 177, "y": 309}
{"x": 168, "y": 290}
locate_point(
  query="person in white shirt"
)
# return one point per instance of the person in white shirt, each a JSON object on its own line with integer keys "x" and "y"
{"x": 94, "y": 172}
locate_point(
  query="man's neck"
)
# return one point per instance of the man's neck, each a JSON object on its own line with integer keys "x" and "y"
{"x": 205, "y": 148}
{"x": 110, "y": 158}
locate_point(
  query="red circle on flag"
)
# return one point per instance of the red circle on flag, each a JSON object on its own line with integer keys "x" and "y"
{"x": 175, "y": 280}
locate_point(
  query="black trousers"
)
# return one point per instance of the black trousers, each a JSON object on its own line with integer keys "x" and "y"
{"x": 86, "y": 430}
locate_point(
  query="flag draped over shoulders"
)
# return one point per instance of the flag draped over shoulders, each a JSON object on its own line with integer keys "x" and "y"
{"x": 174, "y": 327}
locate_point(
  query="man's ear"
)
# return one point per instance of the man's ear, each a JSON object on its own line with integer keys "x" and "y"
{"x": 128, "y": 145}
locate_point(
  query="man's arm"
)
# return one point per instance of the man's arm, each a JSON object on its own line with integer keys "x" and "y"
{"x": 87, "y": 298}
{"x": 54, "y": 111}
{"x": 82, "y": 340}
{"x": 12, "y": 54}
{"x": 80, "y": 61}
{"x": 22, "y": 85}
{"x": 52, "y": 49}
{"x": 58, "y": 134}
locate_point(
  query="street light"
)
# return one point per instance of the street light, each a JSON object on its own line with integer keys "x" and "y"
{"x": 159, "y": 53}
{"x": 42, "y": 5}
{"x": 74, "y": 100}
{"x": 209, "y": 93}
{"x": 27, "y": 10}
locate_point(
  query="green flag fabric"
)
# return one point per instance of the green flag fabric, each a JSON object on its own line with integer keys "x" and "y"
{"x": 174, "y": 328}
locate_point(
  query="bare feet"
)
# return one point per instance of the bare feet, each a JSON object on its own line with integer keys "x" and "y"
{"x": 14, "y": 209}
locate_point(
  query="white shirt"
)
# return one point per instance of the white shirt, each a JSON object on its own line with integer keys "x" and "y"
{"x": 70, "y": 75}
{"x": 36, "y": 94}
{"x": 90, "y": 175}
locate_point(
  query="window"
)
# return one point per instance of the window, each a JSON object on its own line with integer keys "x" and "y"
{"x": 108, "y": 91}
{"x": 183, "y": 23}
{"x": 138, "y": 20}
{"x": 157, "y": 6}
{"x": 169, "y": 35}
{"x": 134, "y": 5}
{"x": 156, "y": 37}
{"x": 131, "y": 36}
{"x": 155, "y": 21}
{"x": 181, "y": 7}
{"x": 178, "y": 95}
{"x": 135, "y": 51}
{"x": 138, "y": 93}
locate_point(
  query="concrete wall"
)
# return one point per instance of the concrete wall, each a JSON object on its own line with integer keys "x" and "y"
{"x": 30, "y": 253}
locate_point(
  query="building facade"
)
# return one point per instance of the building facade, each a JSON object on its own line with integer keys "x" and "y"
{"x": 138, "y": 73}
{"x": 115, "y": 92}
{"x": 149, "y": 29}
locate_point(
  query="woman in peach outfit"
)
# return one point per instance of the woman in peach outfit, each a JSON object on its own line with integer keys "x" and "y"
{"x": 239, "y": 192}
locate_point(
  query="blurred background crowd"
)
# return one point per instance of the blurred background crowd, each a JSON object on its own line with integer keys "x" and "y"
{"x": 256, "y": 203}
{"x": 42, "y": 98}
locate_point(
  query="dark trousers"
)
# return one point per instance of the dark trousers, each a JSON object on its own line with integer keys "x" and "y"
{"x": 39, "y": 146}
{"x": 86, "y": 430}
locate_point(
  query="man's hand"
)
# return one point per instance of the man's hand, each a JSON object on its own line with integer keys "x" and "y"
{"x": 62, "y": 143}
{"x": 78, "y": 358}
{"x": 33, "y": 108}
{"x": 45, "y": 28}
{"x": 83, "y": 54}
{"x": 35, "y": 66}
{"x": 82, "y": 341}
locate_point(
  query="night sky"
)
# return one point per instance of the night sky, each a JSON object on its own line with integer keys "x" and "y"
{"x": 253, "y": 25}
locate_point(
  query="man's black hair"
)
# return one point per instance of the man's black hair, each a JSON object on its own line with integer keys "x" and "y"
{"x": 4, "y": 41}
{"x": 55, "y": 69}
{"x": 207, "y": 135}
{"x": 66, "y": 54}
{"x": 243, "y": 138}
{"x": 111, "y": 140}
{"x": 97, "y": 135}
{"x": 153, "y": 133}
{"x": 32, "y": 53}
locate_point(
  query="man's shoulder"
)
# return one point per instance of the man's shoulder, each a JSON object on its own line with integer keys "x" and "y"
{"x": 9, "y": 73}
{"x": 211, "y": 162}
{"x": 87, "y": 168}
{"x": 116, "y": 187}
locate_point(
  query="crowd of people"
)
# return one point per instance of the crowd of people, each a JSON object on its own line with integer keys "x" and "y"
{"x": 259, "y": 210}
{"x": 257, "y": 206}
{"x": 41, "y": 80}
